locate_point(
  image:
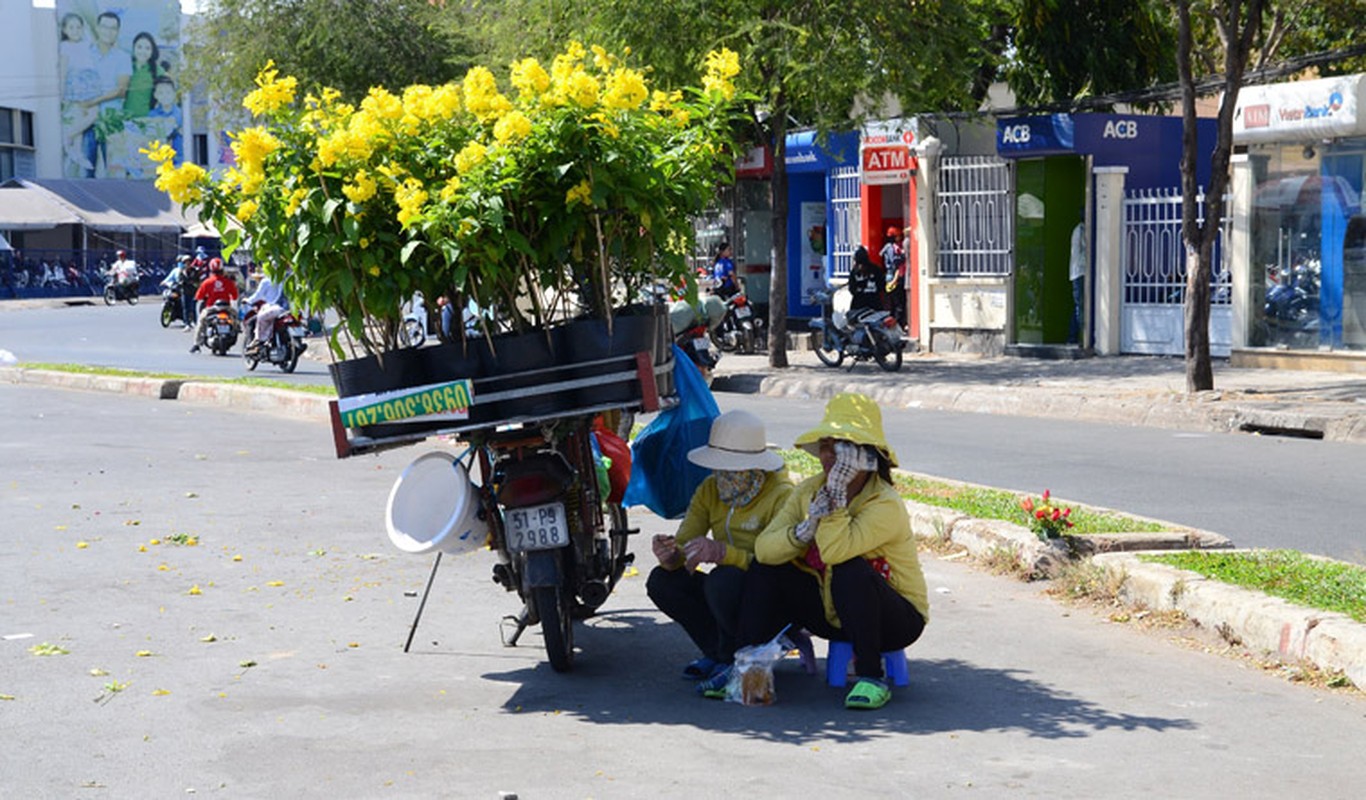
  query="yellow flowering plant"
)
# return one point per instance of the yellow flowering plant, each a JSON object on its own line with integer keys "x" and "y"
{"x": 563, "y": 196}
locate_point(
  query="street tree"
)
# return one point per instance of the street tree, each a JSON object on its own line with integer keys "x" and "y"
{"x": 1238, "y": 25}
{"x": 348, "y": 45}
{"x": 820, "y": 64}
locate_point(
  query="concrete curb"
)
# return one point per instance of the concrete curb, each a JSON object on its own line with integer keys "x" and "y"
{"x": 1329, "y": 641}
{"x": 282, "y": 402}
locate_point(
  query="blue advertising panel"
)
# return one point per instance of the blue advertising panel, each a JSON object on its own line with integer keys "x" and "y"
{"x": 805, "y": 153}
{"x": 1149, "y": 146}
{"x": 1023, "y": 137}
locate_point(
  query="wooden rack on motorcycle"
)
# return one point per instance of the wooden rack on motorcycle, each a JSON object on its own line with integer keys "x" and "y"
{"x": 546, "y": 502}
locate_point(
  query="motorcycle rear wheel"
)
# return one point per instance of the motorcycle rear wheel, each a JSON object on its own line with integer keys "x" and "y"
{"x": 888, "y": 356}
{"x": 250, "y": 357}
{"x": 557, "y": 626}
{"x": 109, "y": 298}
{"x": 133, "y": 298}
{"x": 167, "y": 316}
{"x": 292, "y": 360}
{"x": 827, "y": 357}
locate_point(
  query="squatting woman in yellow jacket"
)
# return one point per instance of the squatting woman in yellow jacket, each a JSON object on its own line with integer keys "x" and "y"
{"x": 747, "y": 486}
{"x": 839, "y": 559}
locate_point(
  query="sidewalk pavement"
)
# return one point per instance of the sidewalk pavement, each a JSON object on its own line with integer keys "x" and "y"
{"x": 1139, "y": 390}
{"x": 1136, "y": 390}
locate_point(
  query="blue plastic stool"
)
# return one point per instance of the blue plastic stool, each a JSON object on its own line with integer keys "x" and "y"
{"x": 839, "y": 654}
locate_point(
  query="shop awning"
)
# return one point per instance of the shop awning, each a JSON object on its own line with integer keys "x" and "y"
{"x": 113, "y": 205}
{"x": 26, "y": 209}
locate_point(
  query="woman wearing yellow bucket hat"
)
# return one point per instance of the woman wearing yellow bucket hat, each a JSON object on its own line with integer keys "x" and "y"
{"x": 839, "y": 559}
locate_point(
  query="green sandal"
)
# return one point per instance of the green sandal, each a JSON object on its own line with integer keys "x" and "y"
{"x": 868, "y": 694}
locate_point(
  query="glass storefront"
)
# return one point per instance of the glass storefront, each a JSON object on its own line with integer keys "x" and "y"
{"x": 1309, "y": 244}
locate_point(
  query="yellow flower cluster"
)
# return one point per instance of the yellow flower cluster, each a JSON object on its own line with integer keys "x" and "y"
{"x": 181, "y": 183}
{"x": 513, "y": 126}
{"x": 722, "y": 65}
{"x": 360, "y": 188}
{"x": 271, "y": 93}
{"x": 529, "y": 78}
{"x": 580, "y": 193}
{"x": 625, "y": 90}
{"x": 482, "y": 98}
{"x": 410, "y": 196}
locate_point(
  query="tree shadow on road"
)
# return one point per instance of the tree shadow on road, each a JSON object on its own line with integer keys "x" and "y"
{"x": 625, "y": 673}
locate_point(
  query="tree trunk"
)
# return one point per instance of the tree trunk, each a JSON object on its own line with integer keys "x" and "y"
{"x": 1238, "y": 34}
{"x": 777, "y": 284}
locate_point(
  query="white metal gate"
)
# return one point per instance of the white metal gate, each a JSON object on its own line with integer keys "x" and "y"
{"x": 974, "y": 216}
{"x": 1153, "y": 312}
{"x": 845, "y": 210}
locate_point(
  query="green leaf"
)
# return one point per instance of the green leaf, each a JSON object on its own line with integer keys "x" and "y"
{"x": 408, "y": 250}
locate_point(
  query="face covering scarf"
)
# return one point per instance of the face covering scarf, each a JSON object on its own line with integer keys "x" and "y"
{"x": 738, "y": 488}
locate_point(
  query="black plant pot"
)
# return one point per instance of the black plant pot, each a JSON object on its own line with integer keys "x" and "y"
{"x": 521, "y": 352}
{"x": 588, "y": 340}
{"x": 398, "y": 369}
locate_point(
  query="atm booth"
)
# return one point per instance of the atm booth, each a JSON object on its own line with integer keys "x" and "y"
{"x": 1054, "y": 158}
{"x": 822, "y": 214}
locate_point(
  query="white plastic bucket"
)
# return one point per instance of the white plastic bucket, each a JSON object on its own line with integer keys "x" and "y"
{"x": 435, "y": 506}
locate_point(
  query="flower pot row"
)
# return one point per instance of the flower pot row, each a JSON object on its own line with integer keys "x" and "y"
{"x": 517, "y": 367}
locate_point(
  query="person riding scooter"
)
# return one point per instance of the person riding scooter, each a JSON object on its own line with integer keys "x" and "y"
{"x": 273, "y": 304}
{"x": 214, "y": 288}
{"x": 124, "y": 272}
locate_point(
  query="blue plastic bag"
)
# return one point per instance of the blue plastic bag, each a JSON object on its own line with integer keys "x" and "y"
{"x": 662, "y": 478}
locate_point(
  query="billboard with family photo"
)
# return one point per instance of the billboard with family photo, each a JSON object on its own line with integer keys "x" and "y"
{"x": 118, "y": 69}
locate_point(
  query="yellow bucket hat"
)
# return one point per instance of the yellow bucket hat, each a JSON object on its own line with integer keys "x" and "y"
{"x": 852, "y": 417}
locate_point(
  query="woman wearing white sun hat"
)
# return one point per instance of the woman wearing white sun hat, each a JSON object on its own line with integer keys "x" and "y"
{"x": 747, "y": 486}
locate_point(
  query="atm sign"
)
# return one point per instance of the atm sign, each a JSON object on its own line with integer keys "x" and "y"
{"x": 886, "y": 163}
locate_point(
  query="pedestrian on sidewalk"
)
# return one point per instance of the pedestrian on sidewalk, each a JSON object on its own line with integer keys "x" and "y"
{"x": 730, "y": 507}
{"x": 839, "y": 559}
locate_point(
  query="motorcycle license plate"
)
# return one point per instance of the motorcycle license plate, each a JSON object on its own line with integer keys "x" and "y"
{"x": 297, "y": 330}
{"x": 224, "y": 330}
{"x": 743, "y": 312}
{"x": 536, "y": 527}
{"x": 702, "y": 344}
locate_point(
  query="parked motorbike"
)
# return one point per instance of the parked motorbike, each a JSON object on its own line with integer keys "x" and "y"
{"x": 115, "y": 292}
{"x": 285, "y": 345}
{"x": 413, "y": 332}
{"x": 741, "y": 329}
{"x": 860, "y": 335}
{"x": 561, "y": 542}
{"x": 692, "y": 334}
{"x": 1292, "y": 303}
{"x": 222, "y": 329}
{"x": 172, "y": 308}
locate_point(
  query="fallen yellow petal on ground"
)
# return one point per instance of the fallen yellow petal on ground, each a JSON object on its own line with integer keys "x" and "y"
{"x": 160, "y": 692}
{"x": 82, "y": 545}
{"x": 195, "y": 590}
{"x": 275, "y": 583}
{"x": 143, "y": 653}
{"x": 209, "y": 638}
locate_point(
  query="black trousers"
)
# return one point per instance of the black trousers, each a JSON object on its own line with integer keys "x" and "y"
{"x": 873, "y": 617}
{"x": 707, "y": 605}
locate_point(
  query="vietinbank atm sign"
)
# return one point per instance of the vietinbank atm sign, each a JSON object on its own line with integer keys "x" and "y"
{"x": 1327, "y": 108}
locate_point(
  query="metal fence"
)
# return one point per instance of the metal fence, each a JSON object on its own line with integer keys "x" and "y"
{"x": 974, "y": 216}
{"x": 41, "y": 272}
{"x": 1153, "y": 255}
{"x": 846, "y": 209}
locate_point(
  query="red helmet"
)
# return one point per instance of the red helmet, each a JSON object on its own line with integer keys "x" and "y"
{"x": 121, "y": 254}
{"x": 215, "y": 265}
{"x": 894, "y": 232}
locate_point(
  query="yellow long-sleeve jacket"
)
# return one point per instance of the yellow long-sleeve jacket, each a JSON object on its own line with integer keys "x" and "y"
{"x": 873, "y": 525}
{"x": 737, "y": 527}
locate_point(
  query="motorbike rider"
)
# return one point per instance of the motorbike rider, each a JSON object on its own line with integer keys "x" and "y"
{"x": 723, "y": 272}
{"x": 865, "y": 283}
{"x": 173, "y": 281}
{"x": 124, "y": 272}
{"x": 273, "y": 304}
{"x": 194, "y": 272}
{"x": 214, "y": 288}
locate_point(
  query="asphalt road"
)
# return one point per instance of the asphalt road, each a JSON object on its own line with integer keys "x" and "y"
{"x": 304, "y": 690}
{"x": 1257, "y": 491}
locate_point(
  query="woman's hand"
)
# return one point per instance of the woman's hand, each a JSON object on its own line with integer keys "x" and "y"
{"x": 704, "y": 550}
{"x": 666, "y": 550}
